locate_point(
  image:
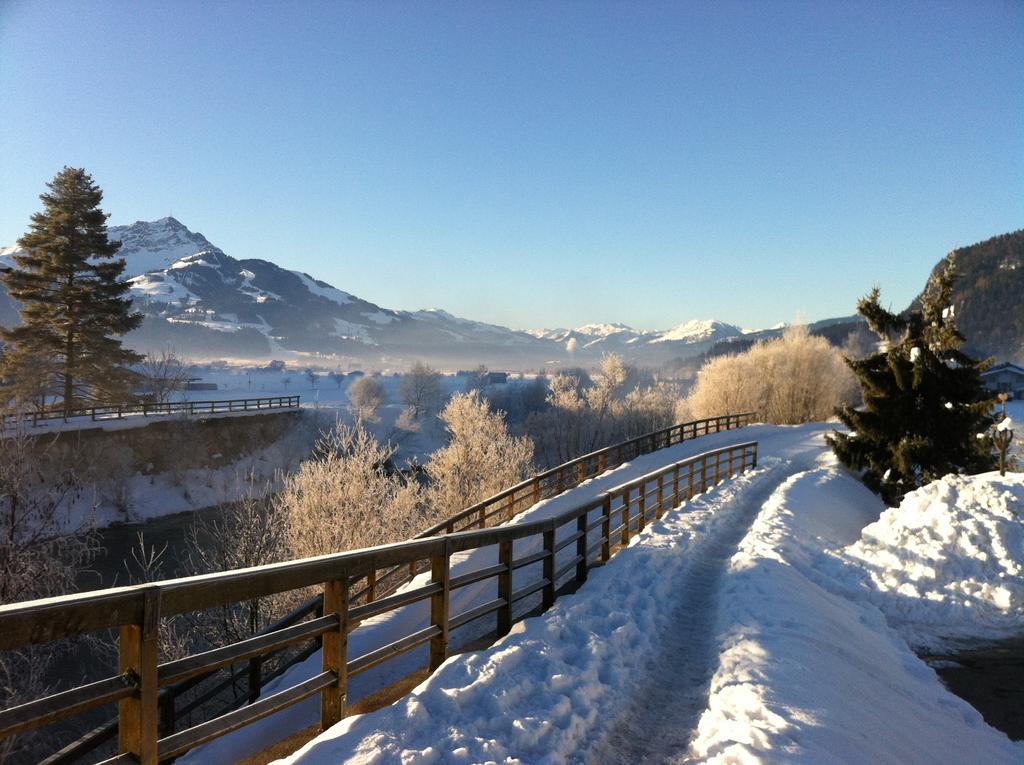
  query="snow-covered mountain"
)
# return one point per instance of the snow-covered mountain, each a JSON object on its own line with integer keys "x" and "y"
{"x": 205, "y": 302}
{"x": 686, "y": 339}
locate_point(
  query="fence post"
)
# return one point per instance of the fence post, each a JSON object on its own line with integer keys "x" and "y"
{"x": 505, "y": 588}
{"x": 581, "y": 546}
{"x": 600, "y": 463}
{"x": 138, "y": 716}
{"x": 753, "y": 463}
{"x": 730, "y": 463}
{"x": 718, "y": 468}
{"x": 255, "y": 678}
{"x": 549, "y": 568}
{"x": 166, "y": 703}
{"x": 335, "y": 652}
{"x": 661, "y": 497}
{"x": 371, "y": 585}
{"x": 440, "y": 573}
{"x": 606, "y": 527}
{"x": 536, "y": 491}
{"x": 580, "y": 473}
{"x": 703, "y": 475}
{"x": 675, "y": 486}
{"x": 642, "y": 514}
{"x": 625, "y": 517}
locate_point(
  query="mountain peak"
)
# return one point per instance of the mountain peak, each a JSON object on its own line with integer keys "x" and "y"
{"x": 155, "y": 245}
{"x": 698, "y": 331}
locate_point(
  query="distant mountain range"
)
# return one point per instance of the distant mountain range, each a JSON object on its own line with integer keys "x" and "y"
{"x": 206, "y": 304}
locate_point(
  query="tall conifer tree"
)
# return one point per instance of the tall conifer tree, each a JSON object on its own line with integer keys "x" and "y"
{"x": 74, "y": 302}
{"x": 924, "y": 402}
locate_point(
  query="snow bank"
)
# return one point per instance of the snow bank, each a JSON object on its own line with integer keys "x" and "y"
{"x": 809, "y": 676}
{"x": 946, "y": 565}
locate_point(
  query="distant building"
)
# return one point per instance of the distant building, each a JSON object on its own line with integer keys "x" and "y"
{"x": 200, "y": 386}
{"x": 1005, "y": 378}
{"x": 497, "y": 378}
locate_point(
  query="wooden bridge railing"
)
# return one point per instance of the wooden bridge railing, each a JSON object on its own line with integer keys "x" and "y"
{"x": 119, "y": 411}
{"x": 569, "y": 544}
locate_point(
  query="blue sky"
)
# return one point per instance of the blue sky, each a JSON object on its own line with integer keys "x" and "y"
{"x": 538, "y": 164}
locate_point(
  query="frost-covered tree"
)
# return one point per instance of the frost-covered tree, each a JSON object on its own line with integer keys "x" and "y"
{"x": 584, "y": 414}
{"x": 74, "y": 303}
{"x": 346, "y": 497}
{"x": 366, "y": 395}
{"x": 481, "y": 458}
{"x": 924, "y": 403}
{"x": 787, "y": 380}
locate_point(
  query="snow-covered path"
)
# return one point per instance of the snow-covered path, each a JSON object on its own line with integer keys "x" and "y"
{"x": 665, "y": 706}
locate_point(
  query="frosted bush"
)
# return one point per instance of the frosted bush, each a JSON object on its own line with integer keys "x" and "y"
{"x": 346, "y": 497}
{"x": 481, "y": 457}
{"x": 793, "y": 379}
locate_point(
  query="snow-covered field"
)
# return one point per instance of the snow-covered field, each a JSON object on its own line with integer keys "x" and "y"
{"x": 741, "y": 628}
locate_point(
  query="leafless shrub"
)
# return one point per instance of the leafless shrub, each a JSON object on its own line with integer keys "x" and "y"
{"x": 144, "y": 564}
{"x": 366, "y": 395}
{"x": 792, "y": 379}
{"x": 481, "y": 458}
{"x": 165, "y": 375}
{"x": 420, "y": 390}
{"x": 42, "y": 551}
{"x": 252, "y": 533}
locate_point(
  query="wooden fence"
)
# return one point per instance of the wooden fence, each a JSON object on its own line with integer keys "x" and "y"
{"x": 374, "y": 583}
{"x": 588, "y": 533}
{"x": 120, "y": 411}
{"x": 252, "y": 675}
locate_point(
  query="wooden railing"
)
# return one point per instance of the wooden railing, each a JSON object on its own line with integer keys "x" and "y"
{"x": 569, "y": 544}
{"x": 119, "y": 411}
{"x": 374, "y": 584}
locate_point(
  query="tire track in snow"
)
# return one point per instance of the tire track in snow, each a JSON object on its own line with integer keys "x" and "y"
{"x": 666, "y": 704}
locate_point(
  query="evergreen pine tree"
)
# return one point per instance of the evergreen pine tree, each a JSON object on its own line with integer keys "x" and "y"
{"x": 924, "y": 402}
{"x": 74, "y": 303}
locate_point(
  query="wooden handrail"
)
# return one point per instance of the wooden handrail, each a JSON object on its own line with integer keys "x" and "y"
{"x": 118, "y": 411}
{"x": 136, "y": 610}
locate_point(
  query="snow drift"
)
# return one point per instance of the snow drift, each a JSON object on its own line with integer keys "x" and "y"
{"x": 946, "y": 565}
